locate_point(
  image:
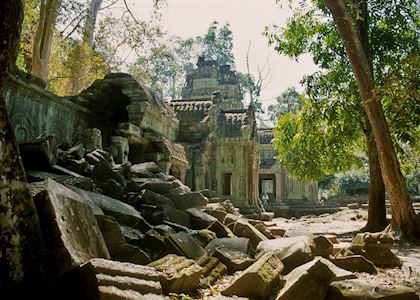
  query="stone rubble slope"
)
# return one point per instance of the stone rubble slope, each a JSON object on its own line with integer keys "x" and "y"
{"x": 133, "y": 232}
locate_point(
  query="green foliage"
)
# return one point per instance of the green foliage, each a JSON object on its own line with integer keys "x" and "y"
{"x": 218, "y": 44}
{"x": 290, "y": 101}
{"x": 393, "y": 38}
{"x": 310, "y": 146}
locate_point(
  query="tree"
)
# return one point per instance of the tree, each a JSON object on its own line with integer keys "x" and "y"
{"x": 19, "y": 226}
{"x": 404, "y": 217}
{"x": 218, "y": 44}
{"x": 43, "y": 38}
{"x": 290, "y": 101}
{"x": 389, "y": 39}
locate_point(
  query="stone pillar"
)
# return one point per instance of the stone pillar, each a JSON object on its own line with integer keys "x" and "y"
{"x": 92, "y": 139}
{"x": 119, "y": 149}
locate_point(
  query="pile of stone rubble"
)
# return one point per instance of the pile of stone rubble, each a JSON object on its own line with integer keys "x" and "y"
{"x": 132, "y": 232}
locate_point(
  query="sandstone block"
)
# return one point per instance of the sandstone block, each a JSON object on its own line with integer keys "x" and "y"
{"x": 309, "y": 281}
{"x": 71, "y": 233}
{"x": 257, "y": 280}
{"x": 361, "y": 289}
{"x": 355, "y": 263}
{"x": 235, "y": 243}
{"x": 181, "y": 275}
{"x": 233, "y": 260}
{"x": 245, "y": 229}
{"x": 292, "y": 251}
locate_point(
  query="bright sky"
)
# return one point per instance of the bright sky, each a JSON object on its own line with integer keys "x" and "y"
{"x": 189, "y": 18}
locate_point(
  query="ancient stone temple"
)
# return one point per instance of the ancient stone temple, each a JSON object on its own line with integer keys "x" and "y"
{"x": 134, "y": 124}
{"x": 219, "y": 134}
{"x": 273, "y": 179}
{"x": 207, "y": 139}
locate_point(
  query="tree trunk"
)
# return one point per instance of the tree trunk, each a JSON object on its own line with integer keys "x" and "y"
{"x": 403, "y": 214}
{"x": 377, "y": 209}
{"x": 43, "y": 38}
{"x": 376, "y": 212}
{"x": 20, "y": 240}
{"x": 81, "y": 60}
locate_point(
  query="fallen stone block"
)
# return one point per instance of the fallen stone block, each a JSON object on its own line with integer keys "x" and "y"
{"x": 292, "y": 251}
{"x": 322, "y": 246}
{"x": 105, "y": 279}
{"x": 157, "y": 185}
{"x": 261, "y": 228}
{"x": 235, "y": 243}
{"x": 355, "y": 263}
{"x": 152, "y": 198}
{"x": 188, "y": 200}
{"x": 309, "y": 281}
{"x": 147, "y": 169}
{"x": 115, "y": 241}
{"x": 131, "y": 235}
{"x": 277, "y": 231}
{"x": 379, "y": 256}
{"x": 221, "y": 230}
{"x": 245, "y": 229}
{"x": 158, "y": 214}
{"x": 218, "y": 214}
{"x": 258, "y": 280}
{"x": 204, "y": 236}
{"x": 40, "y": 154}
{"x": 125, "y": 214}
{"x": 72, "y": 235}
{"x": 113, "y": 293}
{"x": 355, "y": 289}
{"x": 233, "y": 260}
{"x": 213, "y": 270}
{"x": 209, "y": 193}
{"x": 184, "y": 244}
{"x": 181, "y": 275}
{"x": 200, "y": 219}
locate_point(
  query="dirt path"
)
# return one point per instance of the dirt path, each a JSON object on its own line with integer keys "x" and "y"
{"x": 345, "y": 225}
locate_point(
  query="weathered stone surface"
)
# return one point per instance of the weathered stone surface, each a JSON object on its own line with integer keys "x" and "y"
{"x": 146, "y": 170}
{"x": 111, "y": 233}
{"x": 213, "y": 270}
{"x": 70, "y": 230}
{"x": 157, "y": 215}
{"x": 113, "y": 293}
{"x": 258, "y": 280}
{"x": 322, "y": 246}
{"x": 92, "y": 139}
{"x": 122, "y": 212}
{"x": 245, "y": 229}
{"x": 204, "y": 236}
{"x": 218, "y": 214}
{"x": 234, "y": 260}
{"x": 355, "y": 263}
{"x": 355, "y": 289}
{"x": 209, "y": 193}
{"x": 106, "y": 279}
{"x": 235, "y": 243}
{"x": 181, "y": 275}
{"x": 40, "y": 154}
{"x": 292, "y": 251}
{"x": 200, "y": 219}
{"x": 231, "y": 219}
{"x": 375, "y": 247}
{"x": 188, "y": 200}
{"x": 309, "y": 281}
{"x": 152, "y": 198}
{"x": 157, "y": 185}
{"x": 131, "y": 235}
{"x": 263, "y": 229}
{"x": 116, "y": 244}
{"x": 221, "y": 230}
{"x": 277, "y": 231}
{"x": 184, "y": 244}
